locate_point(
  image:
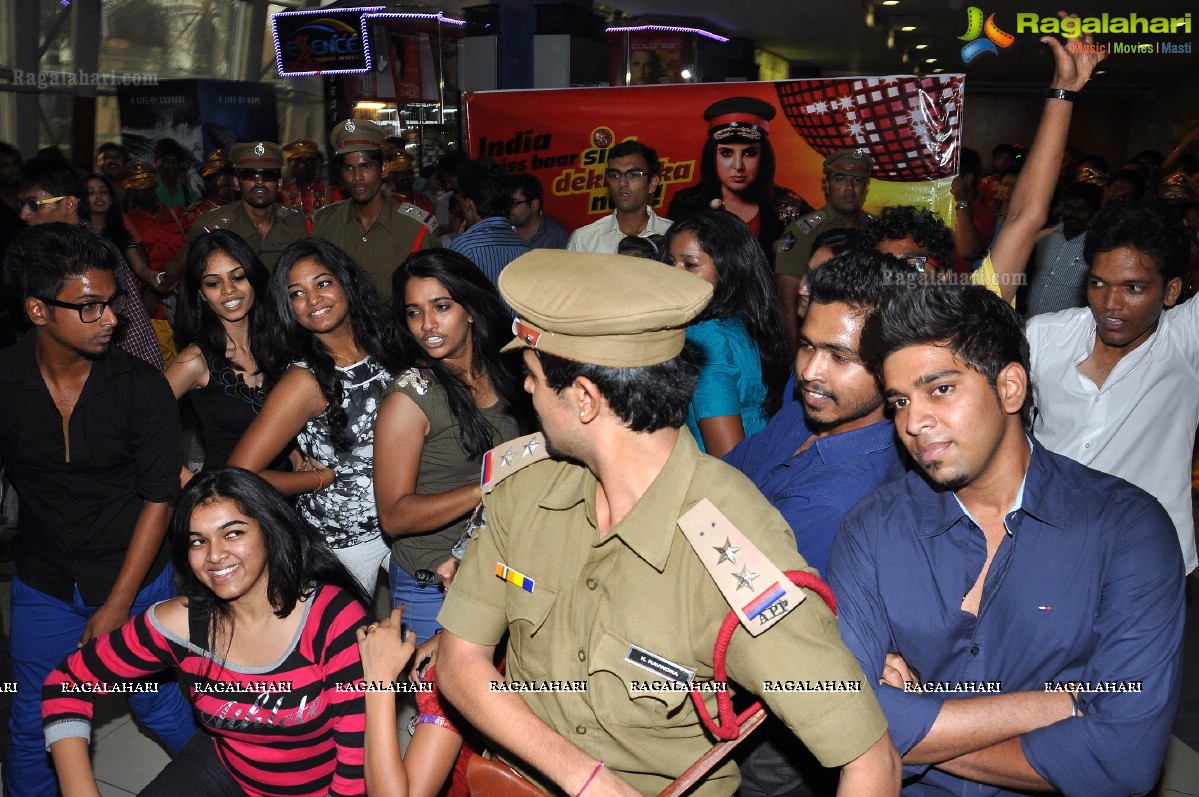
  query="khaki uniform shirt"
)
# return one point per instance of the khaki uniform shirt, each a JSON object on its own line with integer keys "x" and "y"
{"x": 288, "y": 227}
{"x": 643, "y": 585}
{"x": 794, "y": 249}
{"x": 380, "y": 250}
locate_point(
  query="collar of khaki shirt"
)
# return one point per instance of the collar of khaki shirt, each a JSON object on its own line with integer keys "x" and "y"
{"x": 649, "y": 528}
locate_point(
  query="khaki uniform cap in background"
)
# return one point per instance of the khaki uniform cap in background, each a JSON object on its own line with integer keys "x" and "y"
{"x": 257, "y": 155}
{"x": 854, "y": 162}
{"x": 609, "y": 310}
{"x": 356, "y": 135}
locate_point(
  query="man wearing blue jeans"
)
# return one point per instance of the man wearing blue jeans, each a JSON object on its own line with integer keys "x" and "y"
{"x": 89, "y": 437}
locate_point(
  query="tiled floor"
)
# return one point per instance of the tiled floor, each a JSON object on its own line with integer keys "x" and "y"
{"x": 126, "y": 759}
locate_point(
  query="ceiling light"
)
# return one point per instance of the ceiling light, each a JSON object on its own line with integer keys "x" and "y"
{"x": 930, "y": 60}
{"x": 908, "y": 28}
{"x": 938, "y": 70}
{"x": 890, "y": 2}
{"x": 685, "y": 74}
{"x": 921, "y": 46}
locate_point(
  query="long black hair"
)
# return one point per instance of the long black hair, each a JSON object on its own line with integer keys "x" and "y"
{"x": 298, "y": 560}
{"x": 200, "y": 325}
{"x": 709, "y": 180}
{"x": 371, "y": 321}
{"x": 745, "y": 289}
{"x": 114, "y": 225}
{"x": 467, "y": 286}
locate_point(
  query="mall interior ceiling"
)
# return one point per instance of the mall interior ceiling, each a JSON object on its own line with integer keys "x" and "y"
{"x": 855, "y": 37}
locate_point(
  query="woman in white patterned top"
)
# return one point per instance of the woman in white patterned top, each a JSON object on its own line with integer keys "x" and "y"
{"x": 340, "y": 339}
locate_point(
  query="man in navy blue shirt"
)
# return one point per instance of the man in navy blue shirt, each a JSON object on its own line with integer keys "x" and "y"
{"x": 1023, "y": 612}
{"x": 830, "y": 446}
{"x": 825, "y": 450}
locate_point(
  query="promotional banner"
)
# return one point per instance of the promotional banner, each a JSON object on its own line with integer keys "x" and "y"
{"x": 910, "y": 125}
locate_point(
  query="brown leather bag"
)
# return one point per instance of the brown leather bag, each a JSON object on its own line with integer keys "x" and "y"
{"x": 488, "y": 778}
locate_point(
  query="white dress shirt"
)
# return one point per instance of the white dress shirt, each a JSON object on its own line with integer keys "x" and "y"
{"x": 1141, "y": 424}
{"x": 605, "y": 235}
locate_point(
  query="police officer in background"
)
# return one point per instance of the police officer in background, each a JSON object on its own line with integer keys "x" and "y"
{"x": 846, "y": 179}
{"x": 370, "y": 226}
{"x": 601, "y": 577}
{"x": 265, "y": 225}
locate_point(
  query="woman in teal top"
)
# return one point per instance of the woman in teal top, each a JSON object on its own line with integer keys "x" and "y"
{"x": 739, "y": 338}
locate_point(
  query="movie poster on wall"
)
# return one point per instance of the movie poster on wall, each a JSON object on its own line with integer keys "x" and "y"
{"x": 200, "y": 114}
{"x": 911, "y": 126}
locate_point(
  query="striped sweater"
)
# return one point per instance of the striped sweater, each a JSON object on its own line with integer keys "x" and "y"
{"x": 293, "y": 727}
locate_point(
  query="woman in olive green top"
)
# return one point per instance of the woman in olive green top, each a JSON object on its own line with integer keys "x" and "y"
{"x": 437, "y": 420}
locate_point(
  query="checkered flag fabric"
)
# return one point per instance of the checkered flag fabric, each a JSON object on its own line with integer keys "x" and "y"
{"x": 910, "y": 125}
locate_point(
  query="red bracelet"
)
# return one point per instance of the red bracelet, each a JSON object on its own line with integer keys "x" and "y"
{"x": 320, "y": 481}
{"x": 590, "y": 778}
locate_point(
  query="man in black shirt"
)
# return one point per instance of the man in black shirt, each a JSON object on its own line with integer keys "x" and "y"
{"x": 89, "y": 437}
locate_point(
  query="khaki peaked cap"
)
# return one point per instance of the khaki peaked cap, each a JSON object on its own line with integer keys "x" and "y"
{"x": 609, "y": 310}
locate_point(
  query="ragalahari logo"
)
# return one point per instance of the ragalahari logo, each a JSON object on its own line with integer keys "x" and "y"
{"x": 994, "y": 38}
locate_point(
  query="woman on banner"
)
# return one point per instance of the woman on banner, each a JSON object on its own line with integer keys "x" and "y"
{"x": 736, "y": 173}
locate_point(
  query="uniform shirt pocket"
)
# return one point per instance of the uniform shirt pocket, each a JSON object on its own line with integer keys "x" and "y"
{"x": 632, "y": 695}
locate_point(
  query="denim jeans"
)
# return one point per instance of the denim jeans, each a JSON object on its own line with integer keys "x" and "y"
{"x": 196, "y": 772}
{"x": 420, "y": 605}
{"x": 45, "y": 631}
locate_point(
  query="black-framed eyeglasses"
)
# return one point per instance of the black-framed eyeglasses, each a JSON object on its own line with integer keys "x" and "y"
{"x": 922, "y": 263}
{"x": 516, "y": 202}
{"x": 91, "y": 312}
{"x": 254, "y": 175}
{"x": 632, "y": 175}
{"x": 32, "y": 205}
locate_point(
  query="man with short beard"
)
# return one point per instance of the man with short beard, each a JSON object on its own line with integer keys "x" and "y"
{"x": 824, "y": 451}
{"x": 266, "y": 226}
{"x": 831, "y": 445}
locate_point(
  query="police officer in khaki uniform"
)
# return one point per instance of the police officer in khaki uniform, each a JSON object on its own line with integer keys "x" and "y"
{"x": 266, "y": 226}
{"x": 370, "y": 226}
{"x": 846, "y": 179}
{"x": 612, "y": 606}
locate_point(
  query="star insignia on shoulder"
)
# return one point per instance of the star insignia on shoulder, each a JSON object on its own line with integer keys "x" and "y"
{"x": 507, "y": 458}
{"x": 530, "y": 448}
{"x": 728, "y": 552}
{"x": 746, "y": 578}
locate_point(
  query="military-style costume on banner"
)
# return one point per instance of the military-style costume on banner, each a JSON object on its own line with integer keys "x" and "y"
{"x": 794, "y": 249}
{"x": 397, "y": 232}
{"x": 287, "y": 226}
{"x": 634, "y": 615}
